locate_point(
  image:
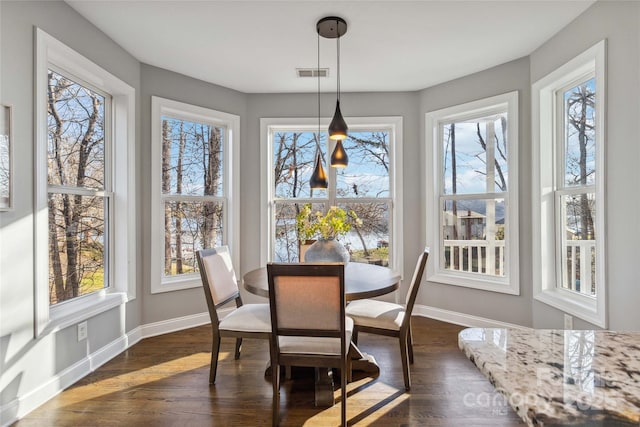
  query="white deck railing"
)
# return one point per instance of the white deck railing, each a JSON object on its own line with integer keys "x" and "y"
{"x": 475, "y": 256}
{"x": 578, "y": 272}
{"x": 478, "y": 256}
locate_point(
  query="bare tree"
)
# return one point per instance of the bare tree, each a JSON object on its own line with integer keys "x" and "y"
{"x": 291, "y": 151}
{"x": 454, "y": 177}
{"x": 501, "y": 149}
{"x": 76, "y": 158}
{"x": 374, "y": 148}
{"x": 177, "y": 213}
{"x": 212, "y": 173}
{"x": 166, "y": 187}
{"x": 192, "y": 166}
{"x": 580, "y": 102}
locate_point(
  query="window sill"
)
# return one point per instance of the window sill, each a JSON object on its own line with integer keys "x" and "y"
{"x": 76, "y": 311}
{"x": 468, "y": 281}
{"x": 177, "y": 284}
{"x": 580, "y": 306}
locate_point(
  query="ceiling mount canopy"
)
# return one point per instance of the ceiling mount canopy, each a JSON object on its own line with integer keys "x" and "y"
{"x": 331, "y": 27}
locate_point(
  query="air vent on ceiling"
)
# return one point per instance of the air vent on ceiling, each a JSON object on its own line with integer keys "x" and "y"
{"x": 312, "y": 72}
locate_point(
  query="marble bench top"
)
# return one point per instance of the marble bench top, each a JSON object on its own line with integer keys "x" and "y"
{"x": 561, "y": 377}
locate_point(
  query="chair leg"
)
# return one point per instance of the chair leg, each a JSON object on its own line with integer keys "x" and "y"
{"x": 238, "y": 345}
{"x": 405, "y": 364}
{"x": 354, "y": 340}
{"x": 275, "y": 380}
{"x": 287, "y": 372}
{"x": 344, "y": 372}
{"x": 410, "y": 344}
{"x": 215, "y": 349}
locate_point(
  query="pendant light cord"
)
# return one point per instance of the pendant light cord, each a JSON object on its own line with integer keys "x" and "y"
{"x": 318, "y": 75}
{"x": 338, "y": 61}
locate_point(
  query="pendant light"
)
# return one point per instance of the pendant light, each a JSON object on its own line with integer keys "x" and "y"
{"x": 339, "y": 158}
{"x": 318, "y": 179}
{"x": 334, "y": 27}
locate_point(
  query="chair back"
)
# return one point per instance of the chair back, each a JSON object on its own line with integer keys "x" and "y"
{"x": 218, "y": 278}
{"x": 415, "y": 283}
{"x": 307, "y": 299}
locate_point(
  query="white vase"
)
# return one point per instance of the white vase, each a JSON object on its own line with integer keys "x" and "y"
{"x": 327, "y": 250}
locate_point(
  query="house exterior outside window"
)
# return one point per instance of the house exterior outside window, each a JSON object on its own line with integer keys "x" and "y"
{"x": 569, "y": 148}
{"x": 472, "y": 220}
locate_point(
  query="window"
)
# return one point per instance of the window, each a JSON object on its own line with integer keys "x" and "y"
{"x": 368, "y": 185}
{"x": 79, "y": 188}
{"x": 85, "y": 129}
{"x": 192, "y": 189}
{"x": 472, "y": 223}
{"x": 568, "y": 130}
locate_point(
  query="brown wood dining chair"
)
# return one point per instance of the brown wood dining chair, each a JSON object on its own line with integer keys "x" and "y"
{"x": 220, "y": 288}
{"x": 386, "y": 318}
{"x": 308, "y": 322}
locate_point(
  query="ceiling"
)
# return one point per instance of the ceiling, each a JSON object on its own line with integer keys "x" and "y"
{"x": 256, "y": 46}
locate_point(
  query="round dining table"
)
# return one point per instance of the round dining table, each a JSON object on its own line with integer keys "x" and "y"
{"x": 360, "y": 281}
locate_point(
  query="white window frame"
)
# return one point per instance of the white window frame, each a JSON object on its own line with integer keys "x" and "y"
{"x": 547, "y": 287}
{"x": 231, "y": 187}
{"x": 269, "y": 125}
{"x": 510, "y": 283}
{"x": 121, "y": 218}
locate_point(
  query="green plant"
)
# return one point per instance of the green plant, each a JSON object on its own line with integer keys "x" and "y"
{"x": 335, "y": 223}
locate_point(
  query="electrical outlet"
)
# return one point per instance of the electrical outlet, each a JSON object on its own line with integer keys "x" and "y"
{"x": 568, "y": 321}
{"x": 82, "y": 331}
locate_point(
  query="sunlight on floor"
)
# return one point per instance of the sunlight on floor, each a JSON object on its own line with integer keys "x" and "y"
{"x": 375, "y": 400}
{"x": 134, "y": 378}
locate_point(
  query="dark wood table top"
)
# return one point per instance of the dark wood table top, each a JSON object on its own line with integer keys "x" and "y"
{"x": 360, "y": 281}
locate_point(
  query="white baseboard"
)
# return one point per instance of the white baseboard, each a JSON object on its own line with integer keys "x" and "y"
{"x": 18, "y": 408}
{"x": 174, "y": 325}
{"x": 461, "y": 319}
{"x": 108, "y": 352}
{"x": 26, "y": 403}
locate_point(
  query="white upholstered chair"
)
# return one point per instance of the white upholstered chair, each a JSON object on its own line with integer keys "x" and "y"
{"x": 308, "y": 322}
{"x": 386, "y": 318}
{"x": 220, "y": 288}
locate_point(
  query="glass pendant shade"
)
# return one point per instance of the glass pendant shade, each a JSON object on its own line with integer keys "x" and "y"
{"x": 338, "y": 127}
{"x": 319, "y": 177}
{"x": 339, "y": 158}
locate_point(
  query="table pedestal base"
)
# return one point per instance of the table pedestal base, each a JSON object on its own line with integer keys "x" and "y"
{"x": 324, "y": 387}
{"x": 366, "y": 364}
{"x": 362, "y": 362}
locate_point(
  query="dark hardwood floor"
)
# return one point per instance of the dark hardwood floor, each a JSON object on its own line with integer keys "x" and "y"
{"x": 163, "y": 381}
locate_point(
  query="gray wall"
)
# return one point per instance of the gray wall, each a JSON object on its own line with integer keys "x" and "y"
{"x": 512, "y": 76}
{"x": 619, "y": 23}
{"x": 27, "y": 363}
{"x": 167, "y": 84}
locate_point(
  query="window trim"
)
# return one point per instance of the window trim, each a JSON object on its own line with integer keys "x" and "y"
{"x": 121, "y": 259}
{"x": 267, "y": 125}
{"x": 231, "y": 169}
{"x": 510, "y": 284}
{"x": 545, "y": 115}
